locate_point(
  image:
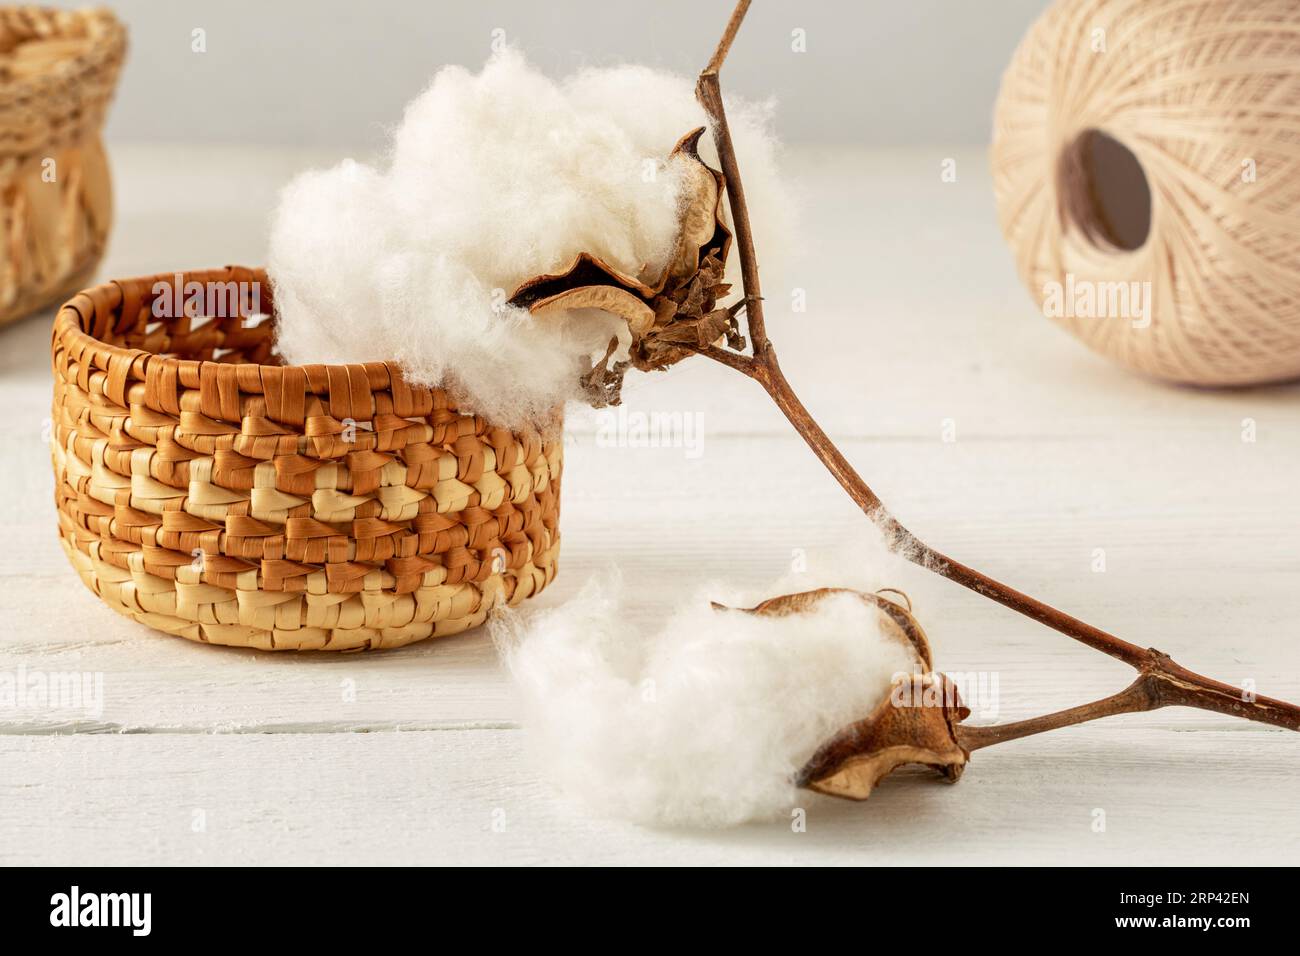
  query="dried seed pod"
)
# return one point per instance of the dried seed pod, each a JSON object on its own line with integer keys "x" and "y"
{"x": 608, "y": 298}
{"x": 701, "y": 192}
{"x": 670, "y": 316}
{"x": 898, "y": 618}
{"x": 584, "y": 270}
{"x": 914, "y": 724}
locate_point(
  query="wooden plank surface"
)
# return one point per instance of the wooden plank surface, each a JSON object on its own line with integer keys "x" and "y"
{"x": 914, "y": 318}
{"x": 468, "y": 796}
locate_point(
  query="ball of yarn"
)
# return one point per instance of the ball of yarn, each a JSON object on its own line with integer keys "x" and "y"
{"x": 1152, "y": 147}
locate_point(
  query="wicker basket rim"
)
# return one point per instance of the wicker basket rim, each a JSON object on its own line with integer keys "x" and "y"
{"x": 83, "y": 320}
{"x": 108, "y": 45}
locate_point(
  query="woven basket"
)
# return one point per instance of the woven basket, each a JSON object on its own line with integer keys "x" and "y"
{"x": 58, "y": 69}
{"x": 206, "y": 491}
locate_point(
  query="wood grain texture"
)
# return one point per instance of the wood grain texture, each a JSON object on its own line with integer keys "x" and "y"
{"x": 914, "y": 316}
{"x": 472, "y": 797}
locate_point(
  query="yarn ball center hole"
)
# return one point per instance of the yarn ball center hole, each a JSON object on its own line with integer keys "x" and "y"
{"x": 1104, "y": 192}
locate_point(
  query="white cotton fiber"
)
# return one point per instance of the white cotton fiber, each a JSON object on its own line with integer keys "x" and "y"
{"x": 700, "y": 721}
{"x": 771, "y": 209}
{"x": 493, "y": 178}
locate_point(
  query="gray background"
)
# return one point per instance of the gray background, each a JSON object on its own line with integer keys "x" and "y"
{"x": 336, "y": 73}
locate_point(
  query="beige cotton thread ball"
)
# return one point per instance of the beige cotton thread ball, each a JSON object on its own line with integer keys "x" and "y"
{"x": 1146, "y": 162}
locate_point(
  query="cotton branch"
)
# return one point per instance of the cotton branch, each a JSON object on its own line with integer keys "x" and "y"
{"x": 708, "y": 91}
{"x": 1161, "y": 682}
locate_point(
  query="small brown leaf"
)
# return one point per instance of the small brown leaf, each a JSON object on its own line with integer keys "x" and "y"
{"x": 665, "y": 309}
{"x": 603, "y": 383}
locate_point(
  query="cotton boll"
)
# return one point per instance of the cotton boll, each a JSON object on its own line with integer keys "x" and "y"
{"x": 492, "y": 178}
{"x": 772, "y": 210}
{"x": 703, "y": 721}
{"x": 507, "y": 158}
{"x": 653, "y": 106}
{"x": 432, "y": 323}
{"x": 328, "y": 230}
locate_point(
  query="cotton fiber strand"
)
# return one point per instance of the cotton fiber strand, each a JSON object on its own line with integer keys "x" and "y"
{"x": 701, "y": 721}
{"x": 492, "y": 178}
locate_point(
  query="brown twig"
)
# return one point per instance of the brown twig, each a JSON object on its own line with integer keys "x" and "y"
{"x": 1133, "y": 698}
{"x": 741, "y": 363}
{"x": 728, "y": 37}
{"x": 1160, "y": 683}
{"x": 708, "y": 91}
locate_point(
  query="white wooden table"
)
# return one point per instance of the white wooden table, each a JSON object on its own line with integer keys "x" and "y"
{"x": 204, "y": 755}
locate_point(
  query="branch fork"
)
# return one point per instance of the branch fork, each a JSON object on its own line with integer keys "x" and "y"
{"x": 1160, "y": 681}
{"x": 677, "y": 310}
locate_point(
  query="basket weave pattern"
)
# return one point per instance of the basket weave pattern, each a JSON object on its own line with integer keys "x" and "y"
{"x": 58, "y": 70}
{"x": 212, "y": 495}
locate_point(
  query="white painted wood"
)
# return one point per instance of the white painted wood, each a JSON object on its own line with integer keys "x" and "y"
{"x": 459, "y": 796}
{"x": 914, "y": 316}
{"x": 1225, "y": 606}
